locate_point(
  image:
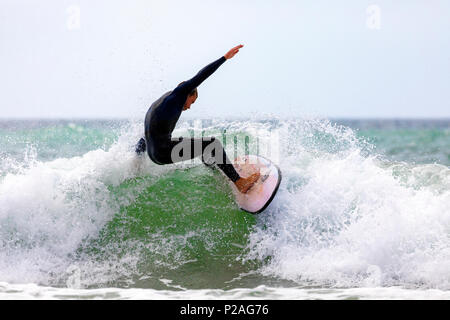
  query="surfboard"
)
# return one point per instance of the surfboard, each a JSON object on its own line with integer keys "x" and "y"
{"x": 263, "y": 191}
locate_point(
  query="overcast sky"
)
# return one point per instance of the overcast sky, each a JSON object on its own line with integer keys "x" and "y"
{"x": 103, "y": 58}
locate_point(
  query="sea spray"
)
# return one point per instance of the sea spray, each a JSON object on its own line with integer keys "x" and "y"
{"x": 346, "y": 218}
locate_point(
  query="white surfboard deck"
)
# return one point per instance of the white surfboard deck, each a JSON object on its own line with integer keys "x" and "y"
{"x": 263, "y": 191}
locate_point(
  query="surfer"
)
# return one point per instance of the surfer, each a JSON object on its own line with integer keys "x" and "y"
{"x": 162, "y": 117}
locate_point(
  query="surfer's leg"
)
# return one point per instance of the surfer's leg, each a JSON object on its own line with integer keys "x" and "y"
{"x": 211, "y": 152}
{"x": 209, "y": 149}
{"x": 141, "y": 146}
{"x": 214, "y": 153}
{"x": 213, "y": 149}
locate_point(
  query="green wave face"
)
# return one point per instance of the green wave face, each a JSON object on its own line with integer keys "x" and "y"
{"x": 183, "y": 227}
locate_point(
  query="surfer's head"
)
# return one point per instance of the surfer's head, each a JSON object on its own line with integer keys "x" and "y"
{"x": 192, "y": 96}
{"x": 190, "y": 99}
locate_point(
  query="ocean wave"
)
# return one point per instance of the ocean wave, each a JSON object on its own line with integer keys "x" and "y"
{"x": 344, "y": 214}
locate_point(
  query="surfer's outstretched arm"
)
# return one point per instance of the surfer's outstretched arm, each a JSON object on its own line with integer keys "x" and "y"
{"x": 202, "y": 75}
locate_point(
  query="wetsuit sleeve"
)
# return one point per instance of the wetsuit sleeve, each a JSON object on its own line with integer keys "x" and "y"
{"x": 201, "y": 76}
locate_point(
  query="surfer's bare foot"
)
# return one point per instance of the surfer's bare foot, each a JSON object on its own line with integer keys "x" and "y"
{"x": 244, "y": 184}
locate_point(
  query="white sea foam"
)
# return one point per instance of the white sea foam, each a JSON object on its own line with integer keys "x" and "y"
{"x": 48, "y": 208}
{"x": 35, "y": 292}
{"x": 344, "y": 218}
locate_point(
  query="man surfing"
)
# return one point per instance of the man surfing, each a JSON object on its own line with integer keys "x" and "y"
{"x": 162, "y": 117}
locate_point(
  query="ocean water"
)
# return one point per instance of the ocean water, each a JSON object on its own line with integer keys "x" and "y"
{"x": 363, "y": 212}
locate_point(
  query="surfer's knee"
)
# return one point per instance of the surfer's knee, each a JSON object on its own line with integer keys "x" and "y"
{"x": 214, "y": 153}
{"x": 215, "y": 143}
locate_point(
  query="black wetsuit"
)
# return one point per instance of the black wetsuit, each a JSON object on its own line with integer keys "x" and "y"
{"x": 160, "y": 122}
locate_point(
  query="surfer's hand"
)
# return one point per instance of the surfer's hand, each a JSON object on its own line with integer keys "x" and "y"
{"x": 230, "y": 54}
